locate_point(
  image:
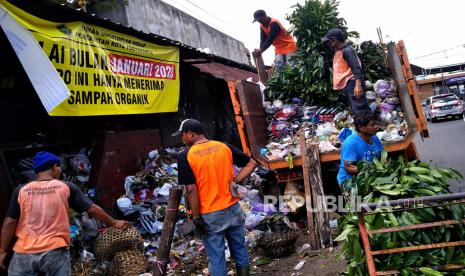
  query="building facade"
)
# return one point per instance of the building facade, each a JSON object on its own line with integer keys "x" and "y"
{"x": 160, "y": 18}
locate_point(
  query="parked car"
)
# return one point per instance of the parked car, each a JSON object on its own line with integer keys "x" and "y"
{"x": 443, "y": 106}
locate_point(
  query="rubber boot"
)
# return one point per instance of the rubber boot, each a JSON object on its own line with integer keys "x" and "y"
{"x": 243, "y": 271}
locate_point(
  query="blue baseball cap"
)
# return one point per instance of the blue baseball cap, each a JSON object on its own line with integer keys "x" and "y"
{"x": 333, "y": 34}
{"x": 42, "y": 159}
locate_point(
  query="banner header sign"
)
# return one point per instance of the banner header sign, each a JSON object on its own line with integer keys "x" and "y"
{"x": 106, "y": 72}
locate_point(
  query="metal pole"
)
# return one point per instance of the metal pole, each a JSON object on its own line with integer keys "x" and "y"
{"x": 411, "y": 202}
{"x": 366, "y": 244}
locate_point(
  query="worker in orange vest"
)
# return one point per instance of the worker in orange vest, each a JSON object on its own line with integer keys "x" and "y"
{"x": 273, "y": 33}
{"x": 347, "y": 72}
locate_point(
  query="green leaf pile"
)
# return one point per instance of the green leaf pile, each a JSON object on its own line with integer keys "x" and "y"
{"x": 390, "y": 179}
{"x": 311, "y": 79}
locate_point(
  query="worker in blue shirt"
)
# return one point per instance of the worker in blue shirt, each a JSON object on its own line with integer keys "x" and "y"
{"x": 363, "y": 145}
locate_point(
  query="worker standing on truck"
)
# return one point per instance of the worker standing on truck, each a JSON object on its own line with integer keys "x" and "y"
{"x": 363, "y": 145}
{"x": 39, "y": 216}
{"x": 206, "y": 170}
{"x": 273, "y": 33}
{"x": 347, "y": 72}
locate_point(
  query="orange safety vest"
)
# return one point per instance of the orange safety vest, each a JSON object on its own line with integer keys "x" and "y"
{"x": 212, "y": 165}
{"x": 342, "y": 72}
{"x": 283, "y": 43}
{"x": 44, "y": 221}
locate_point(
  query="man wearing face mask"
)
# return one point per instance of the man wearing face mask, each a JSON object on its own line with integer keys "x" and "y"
{"x": 39, "y": 216}
{"x": 206, "y": 170}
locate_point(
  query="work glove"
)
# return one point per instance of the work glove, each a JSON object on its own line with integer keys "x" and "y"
{"x": 200, "y": 228}
{"x": 237, "y": 190}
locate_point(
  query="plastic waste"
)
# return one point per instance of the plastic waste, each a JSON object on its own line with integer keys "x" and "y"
{"x": 80, "y": 163}
{"x": 253, "y": 196}
{"x": 382, "y": 87}
{"x": 125, "y": 205}
{"x": 253, "y": 219}
{"x": 333, "y": 224}
{"x": 74, "y": 231}
{"x": 264, "y": 208}
{"x": 299, "y": 265}
{"x": 386, "y": 108}
{"x": 165, "y": 189}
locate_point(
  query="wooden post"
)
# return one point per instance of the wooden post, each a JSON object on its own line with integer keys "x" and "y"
{"x": 167, "y": 232}
{"x": 238, "y": 116}
{"x": 261, "y": 69}
{"x": 316, "y": 181}
{"x": 312, "y": 229}
{"x": 413, "y": 90}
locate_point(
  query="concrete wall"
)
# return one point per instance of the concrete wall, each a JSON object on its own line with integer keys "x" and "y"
{"x": 155, "y": 16}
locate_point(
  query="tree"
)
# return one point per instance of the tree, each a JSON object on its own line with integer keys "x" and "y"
{"x": 311, "y": 78}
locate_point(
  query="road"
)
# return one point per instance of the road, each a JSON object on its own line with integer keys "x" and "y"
{"x": 445, "y": 148}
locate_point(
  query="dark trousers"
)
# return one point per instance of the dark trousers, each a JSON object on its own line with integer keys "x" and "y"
{"x": 357, "y": 106}
{"x": 53, "y": 263}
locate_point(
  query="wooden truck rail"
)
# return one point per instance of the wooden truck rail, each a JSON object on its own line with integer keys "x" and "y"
{"x": 251, "y": 118}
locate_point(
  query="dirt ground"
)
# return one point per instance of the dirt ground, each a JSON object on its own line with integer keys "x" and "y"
{"x": 322, "y": 263}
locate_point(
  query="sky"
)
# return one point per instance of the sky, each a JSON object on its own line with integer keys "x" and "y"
{"x": 431, "y": 29}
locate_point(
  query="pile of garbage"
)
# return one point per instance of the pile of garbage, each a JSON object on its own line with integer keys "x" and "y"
{"x": 329, "y": 126}
{"x": 144, "y": 204}
{"x": 75, "y": 166}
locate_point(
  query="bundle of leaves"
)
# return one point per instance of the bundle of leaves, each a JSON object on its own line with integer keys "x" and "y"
{"x": 372, "y": 56}
{"x": 311, "y": 79}
{"x": 390, "y": 179}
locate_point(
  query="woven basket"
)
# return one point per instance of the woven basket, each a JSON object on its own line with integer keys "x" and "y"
{"x": 116, "y": 240}
{"x": 129, "y": 263}
{"x": 81, "y": 268}
{"x": 279, "y": 244}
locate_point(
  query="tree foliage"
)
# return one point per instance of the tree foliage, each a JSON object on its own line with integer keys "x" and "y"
{"x": 311, "y": 78}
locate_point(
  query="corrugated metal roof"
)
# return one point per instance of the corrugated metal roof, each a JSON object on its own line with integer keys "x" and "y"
{"x": 225, "y": 72}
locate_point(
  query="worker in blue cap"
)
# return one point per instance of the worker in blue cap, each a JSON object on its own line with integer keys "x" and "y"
{"x": 38, "y": 215}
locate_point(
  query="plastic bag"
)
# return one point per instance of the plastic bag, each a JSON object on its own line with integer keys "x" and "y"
{"x": 253, "y": 219}
{"x": 264, "y": 208}
{"x": 386, "y": 108}
{"x": 128, "y": 181}
{"x": 370, "y": 95}
{"x": 382, "y": 87}
{"x": 293, "y": 197}
{"x": 125, "y": 205}
{"x": 150, "y": 223}
{"x": 392, "y": 100}
{"x": 165, "y": 189}
{"x": 81, "y": 163}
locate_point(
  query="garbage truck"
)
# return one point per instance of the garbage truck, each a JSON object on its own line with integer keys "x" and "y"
{"x": 251, "y": 118}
